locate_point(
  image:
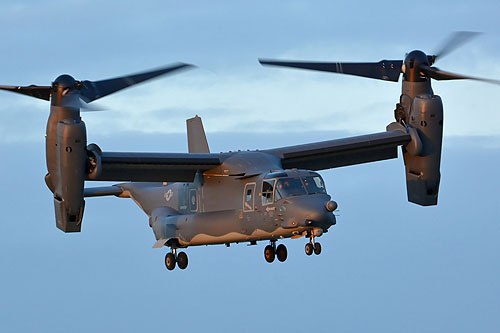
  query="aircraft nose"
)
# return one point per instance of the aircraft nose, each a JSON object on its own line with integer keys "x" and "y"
{"x": 313, "y": 211}
{"x": 320, "y": 216}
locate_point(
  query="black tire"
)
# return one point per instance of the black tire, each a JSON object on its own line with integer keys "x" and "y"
{"x": 269, "y": 253}
{"x": 281, "y": 252}
{"x": 170, "y": 261}
{"x": 182, "y": 260}
{"x": 317, "y": 248}
{"x": 309, "y": 249}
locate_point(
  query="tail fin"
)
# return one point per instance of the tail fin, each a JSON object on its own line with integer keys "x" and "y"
{"x": 197, "y": 141}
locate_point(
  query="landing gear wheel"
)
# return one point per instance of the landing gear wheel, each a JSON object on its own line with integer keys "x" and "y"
{"x": 170, "y": 261}
{"x": 281, "y": 252}
{"x": 317, "y": 248}
{"x": 182, "y": 260}
{"x": 309, "y": 249}
{"x": 269, "y": 253}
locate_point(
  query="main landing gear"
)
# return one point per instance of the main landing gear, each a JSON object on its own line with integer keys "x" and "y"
{"x": 313, "y": 247}
{"x": 271, "y": 251}
{"x": 172, "y": 258}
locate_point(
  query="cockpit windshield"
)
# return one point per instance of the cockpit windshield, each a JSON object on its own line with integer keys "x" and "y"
{"x": 286, "y": 187}
{"x": 314, "y": 184}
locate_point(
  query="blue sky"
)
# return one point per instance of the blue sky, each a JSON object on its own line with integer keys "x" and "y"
{"x": 386, "y": 266}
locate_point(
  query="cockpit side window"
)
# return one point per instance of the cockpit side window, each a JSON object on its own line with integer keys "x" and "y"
{"x": 267, "y": 191}
{"x": 314, "y": 184}
{"x": 286, "y": 187}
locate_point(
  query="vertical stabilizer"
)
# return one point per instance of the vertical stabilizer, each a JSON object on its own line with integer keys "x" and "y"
{"x": 197, "y": 141}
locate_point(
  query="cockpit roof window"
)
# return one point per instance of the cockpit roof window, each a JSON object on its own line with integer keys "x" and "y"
{"x": 277, "y": 174}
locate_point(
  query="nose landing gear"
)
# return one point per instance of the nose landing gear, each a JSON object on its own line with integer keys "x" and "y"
{"x": 317, "y": 248}
{"x": 271, "y": 251}
{"x": 313, "y": 246}
{"x": 309, "y": 249}
{"x": 172, "y": 258}
{"x": 170, "y": 261}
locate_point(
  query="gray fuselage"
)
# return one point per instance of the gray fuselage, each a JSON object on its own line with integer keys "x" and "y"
{"x": 225, "y": 205}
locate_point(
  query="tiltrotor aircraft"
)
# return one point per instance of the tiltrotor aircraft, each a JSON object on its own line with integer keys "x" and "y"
{"x": 201, "y": 198}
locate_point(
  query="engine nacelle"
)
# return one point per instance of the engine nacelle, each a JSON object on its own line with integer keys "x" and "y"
{"x": 422, "y": 166}
{"x": 69, "y": 176}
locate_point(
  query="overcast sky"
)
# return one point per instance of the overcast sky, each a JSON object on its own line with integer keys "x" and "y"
{"x": 97, "y": 40}
{"x": 387, "y": 266}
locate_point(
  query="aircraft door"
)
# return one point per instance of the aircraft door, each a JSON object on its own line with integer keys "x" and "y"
{"x": 249, "y": 198}
{"x": 248, "y": 211}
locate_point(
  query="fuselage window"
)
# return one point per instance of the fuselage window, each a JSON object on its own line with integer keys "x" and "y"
{"x": 193, "y": 202}
{"x": 286, "y": 187}
{"x": 267, "y": 191}
{"x": 314, "y": 184}
{"x": 248, "y": 197}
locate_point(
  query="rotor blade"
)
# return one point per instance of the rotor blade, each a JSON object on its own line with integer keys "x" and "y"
{"x": 92, "y": 90}
{"x": 387, "y": 70}
{"x": 74, "y": 101}
{"x": 454, "y": 41}
{"x": 42, "y": 92}
{"x": 437, "y": 74}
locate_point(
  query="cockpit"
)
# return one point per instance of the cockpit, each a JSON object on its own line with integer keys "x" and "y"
{"x": 279, "y": 185}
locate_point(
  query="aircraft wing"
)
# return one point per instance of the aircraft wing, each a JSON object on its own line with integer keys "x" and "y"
{"x": 342, "y": 152}
{"x": 149, "y": 167}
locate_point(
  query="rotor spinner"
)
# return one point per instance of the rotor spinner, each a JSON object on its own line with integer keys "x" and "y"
{"x": 412, "y": 64}
{"x": 61, "y": 86}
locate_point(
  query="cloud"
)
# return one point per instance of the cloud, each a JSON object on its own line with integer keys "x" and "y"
{"x": 294, "y": 101}
{"x": 270, "y": 101}
{"x": 232, "y": 92}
